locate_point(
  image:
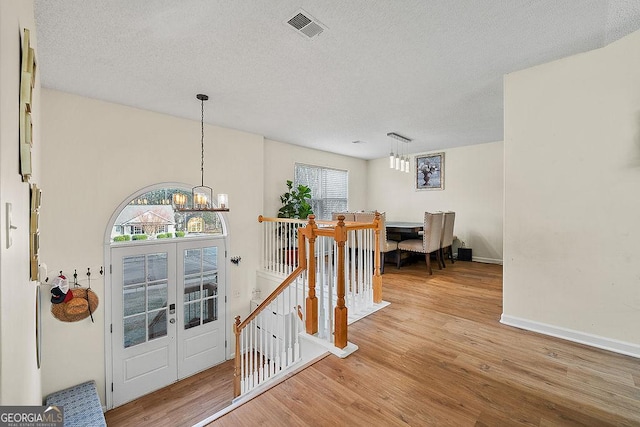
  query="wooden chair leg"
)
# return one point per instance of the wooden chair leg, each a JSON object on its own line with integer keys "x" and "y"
{"x": 439, "y": 260}
{"x": 398, "y": 256}
{"x": 428, "y": 259}
{"x": 451, "y": 254}
{"x": 442, "y": 258}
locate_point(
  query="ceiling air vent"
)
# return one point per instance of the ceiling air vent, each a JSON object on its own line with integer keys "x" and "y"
{"x": 305, "y": 25}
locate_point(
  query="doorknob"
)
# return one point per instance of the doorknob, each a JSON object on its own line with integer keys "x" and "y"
{"x": 172, "y": 320}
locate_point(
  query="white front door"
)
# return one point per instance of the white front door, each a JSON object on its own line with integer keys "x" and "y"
{"x": 168, "y": 313}
{"x": 201, "y": 295}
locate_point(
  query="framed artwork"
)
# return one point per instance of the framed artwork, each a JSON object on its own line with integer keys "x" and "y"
{"x": 27, "y": 82}
{"x": 430, "y": 171}
{"x": 34, "y": 232}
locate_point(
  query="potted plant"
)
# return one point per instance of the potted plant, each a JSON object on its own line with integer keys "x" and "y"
{"x": 295, "y": 204}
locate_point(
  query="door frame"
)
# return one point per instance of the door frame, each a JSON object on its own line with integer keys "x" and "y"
{"x": 108, "y": 305}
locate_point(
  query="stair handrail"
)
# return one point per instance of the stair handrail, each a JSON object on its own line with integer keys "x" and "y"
{"x": 337, "y": 230}
{"x": 312, "y": 230}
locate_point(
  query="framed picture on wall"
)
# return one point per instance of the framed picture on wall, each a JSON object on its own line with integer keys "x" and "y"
{"x": 430, "y": 171}
{"x": 34, "y": 232}
{"x": 27, "y": 82}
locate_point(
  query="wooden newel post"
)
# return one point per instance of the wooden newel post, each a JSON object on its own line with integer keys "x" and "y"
{"x": 340, "y": 312}
{"x": 377, "y": 277}
{"x": 312, "y": 300}
{"x": 238, "y": 359}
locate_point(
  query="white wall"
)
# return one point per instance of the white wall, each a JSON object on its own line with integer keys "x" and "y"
{"x": 279, "y": 161}
{"x": 19, "y": 374}
{"x": 95, "y": 155}
{"x": 473, "y": 188}
{"x": 572, "y": 176}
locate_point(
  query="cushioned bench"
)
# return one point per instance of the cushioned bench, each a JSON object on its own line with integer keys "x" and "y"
{"x": 81, "y": 405}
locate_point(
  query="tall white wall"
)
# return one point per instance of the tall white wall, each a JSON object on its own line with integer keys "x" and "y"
{"x": 96, "y": 154}
{"x": 473, "y": 189}
{"x": 572, "y": 197}
{"x": 19, "y": 374}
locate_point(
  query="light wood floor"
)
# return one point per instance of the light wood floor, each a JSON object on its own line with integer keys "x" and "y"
{"x": 182, "y": 404}
{"x": 436, "y": 356}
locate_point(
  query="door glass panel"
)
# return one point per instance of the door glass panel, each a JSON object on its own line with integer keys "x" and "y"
{"x": 210, "y": 259}
{"x": 200, "y": 286}
{"x": 192, "y": 261}
{"x": 147, "y": 291}
{"x": 192, "y": 288}
{"x": 133, "y": 299}
{"x": 157, "y": 266}
{"x": 134, "y": 330}
{"x": 157, "y": 324}
{"x": 210, "y": 313}
{"x": 157, "y": 295}
{"x": 191, "y": 314}
{"x": 210, "y": 285}
{"x": 133, "y": 270}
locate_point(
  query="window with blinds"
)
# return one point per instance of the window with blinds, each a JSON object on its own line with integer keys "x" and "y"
{"x": 329, "y": 188}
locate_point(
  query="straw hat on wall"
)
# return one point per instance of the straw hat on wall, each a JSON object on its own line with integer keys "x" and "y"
{"x": 78, "y": 307}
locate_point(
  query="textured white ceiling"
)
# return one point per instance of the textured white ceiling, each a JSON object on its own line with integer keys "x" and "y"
{"x": 429, "y": 70}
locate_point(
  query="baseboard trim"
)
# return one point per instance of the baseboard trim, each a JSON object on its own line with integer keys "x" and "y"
{"x": 487, "y": 260}
{"x": 481, "y": 259}
{"x": 616, "y": 346}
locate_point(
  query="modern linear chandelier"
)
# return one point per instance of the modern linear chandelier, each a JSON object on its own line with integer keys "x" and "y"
{"x": 397, "y": 161}
{"x": 201, "y": 195}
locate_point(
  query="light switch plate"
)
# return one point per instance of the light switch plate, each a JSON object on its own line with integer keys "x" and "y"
{"x": 10, "y": 226}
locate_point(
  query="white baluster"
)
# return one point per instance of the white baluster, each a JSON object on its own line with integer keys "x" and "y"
{"x": 273, "y": 350}
{"x": 271, "y": 248}
{"x": 286, "y": 319}
{"x": 242, "y": 358}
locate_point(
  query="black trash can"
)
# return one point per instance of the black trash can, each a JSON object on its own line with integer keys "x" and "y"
{"x": 464, "y": 254}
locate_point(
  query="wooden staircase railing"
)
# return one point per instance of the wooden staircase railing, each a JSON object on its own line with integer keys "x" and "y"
{"x": 267, "y": 340}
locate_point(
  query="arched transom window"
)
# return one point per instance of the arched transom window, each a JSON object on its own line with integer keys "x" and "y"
{"x": 152, "y": 216}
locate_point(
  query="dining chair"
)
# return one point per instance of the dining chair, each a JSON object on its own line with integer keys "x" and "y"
{"x": 447, "y": 236}
{"x": 430, "y": 241}
{"x": 348, "y": 216}
{"x": 385, "y": 245}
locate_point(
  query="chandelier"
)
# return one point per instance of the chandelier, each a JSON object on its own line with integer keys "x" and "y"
{"x": 201, "y": 195}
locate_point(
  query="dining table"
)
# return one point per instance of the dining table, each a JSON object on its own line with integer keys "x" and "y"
{"x": 403, "y": 227}
{"x": 402, "y": 230}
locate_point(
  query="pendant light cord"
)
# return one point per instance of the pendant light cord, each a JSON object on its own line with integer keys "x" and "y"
{"x": 202, "y": 142}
